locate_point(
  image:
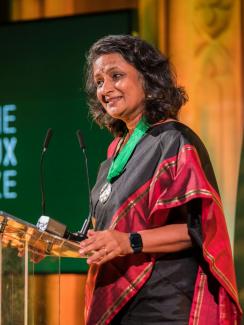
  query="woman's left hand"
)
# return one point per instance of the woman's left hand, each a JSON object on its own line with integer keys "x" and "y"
{"x": 103, "y": 246}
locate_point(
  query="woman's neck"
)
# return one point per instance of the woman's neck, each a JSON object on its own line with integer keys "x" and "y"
{"x": 131, "y": 124}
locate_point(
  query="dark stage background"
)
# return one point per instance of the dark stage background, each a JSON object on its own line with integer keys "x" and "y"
{"x": 41, "y": 70}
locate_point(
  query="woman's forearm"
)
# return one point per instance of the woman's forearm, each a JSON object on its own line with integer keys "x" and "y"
{"x": 105, "y": 245}
{"x": 167, "y": 239}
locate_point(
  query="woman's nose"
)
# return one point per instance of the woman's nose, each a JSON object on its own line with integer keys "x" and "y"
{"x": 107, "y": 86}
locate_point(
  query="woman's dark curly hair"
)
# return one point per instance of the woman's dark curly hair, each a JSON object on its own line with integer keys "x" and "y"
{"x": 163, "y": 98}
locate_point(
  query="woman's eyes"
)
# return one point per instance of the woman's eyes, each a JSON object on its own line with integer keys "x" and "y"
{"x": 115, "y": 76}
{"x": 99, "y": 83}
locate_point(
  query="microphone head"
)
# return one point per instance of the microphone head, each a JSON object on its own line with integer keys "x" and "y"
{"x": 47, "y": 138}
{"x": 52, "y": 226}
{"x": 80, "y": 139}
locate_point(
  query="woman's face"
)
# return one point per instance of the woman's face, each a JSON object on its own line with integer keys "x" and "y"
{"x": 119, "y": 87}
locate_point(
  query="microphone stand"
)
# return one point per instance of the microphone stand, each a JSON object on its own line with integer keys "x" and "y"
{"x": 85, "y": 227}
{"x": 44, "y": 150}
{"x": 45, "y": 223}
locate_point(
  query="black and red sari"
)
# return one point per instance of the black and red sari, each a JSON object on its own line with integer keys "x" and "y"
{"x": 168, "y": 179}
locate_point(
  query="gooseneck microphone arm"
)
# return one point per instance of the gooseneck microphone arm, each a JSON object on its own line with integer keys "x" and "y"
{"x": 87, "y": 222}
{"x": 83, "y": 148}
{"x": 44, "y": 150}
{"x": 46, "y": 223}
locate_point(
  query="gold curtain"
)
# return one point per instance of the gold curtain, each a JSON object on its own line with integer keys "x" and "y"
{"x": 153, "y": 22}
{"x": 37, "y": 9}
{"x": 58, "y": 300}
{"x": 203, "y": 40}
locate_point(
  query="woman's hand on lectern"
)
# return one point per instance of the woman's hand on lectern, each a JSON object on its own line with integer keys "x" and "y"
{"x": 103, "y": 246}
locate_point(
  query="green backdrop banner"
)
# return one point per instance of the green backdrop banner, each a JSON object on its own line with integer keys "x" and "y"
{"x": 41, "y": 71}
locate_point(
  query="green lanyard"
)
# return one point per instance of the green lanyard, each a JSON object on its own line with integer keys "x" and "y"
{"x": 122, "y": 158}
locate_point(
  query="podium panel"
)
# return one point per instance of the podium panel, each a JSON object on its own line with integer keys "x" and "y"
{"x": 25, "y": 297}
{"x": 12, "y": 287}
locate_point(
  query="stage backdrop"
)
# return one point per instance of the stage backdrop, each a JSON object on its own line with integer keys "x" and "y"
{"x": 41, "y": 71}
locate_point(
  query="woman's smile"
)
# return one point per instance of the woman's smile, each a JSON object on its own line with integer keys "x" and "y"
{"x": 111, "y": 101}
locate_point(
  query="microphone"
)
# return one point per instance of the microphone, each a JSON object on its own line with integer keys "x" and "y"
{"x": 83, "y": 232}
{"x": 80, "y": 140}
{"x": 57, "y": 228}
{"x": 44, "y": 149}
{"x": 47, "y": 139}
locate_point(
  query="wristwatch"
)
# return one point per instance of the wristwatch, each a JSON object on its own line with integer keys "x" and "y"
{"x": 136, "y": 242}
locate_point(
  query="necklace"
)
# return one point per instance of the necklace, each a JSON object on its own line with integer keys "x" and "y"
{"x": 120, "y": 161}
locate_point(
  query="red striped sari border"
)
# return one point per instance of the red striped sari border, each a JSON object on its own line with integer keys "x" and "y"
{"x": 119, "y": 300}
{"x": 220, "y": 274}
{"x": 199, "y": 299}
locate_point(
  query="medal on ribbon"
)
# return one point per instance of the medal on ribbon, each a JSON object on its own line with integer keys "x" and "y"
{"x": 120, "y": 161}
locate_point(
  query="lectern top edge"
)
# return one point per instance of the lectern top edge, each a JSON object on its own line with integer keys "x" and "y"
{"x": 16, "y": 233}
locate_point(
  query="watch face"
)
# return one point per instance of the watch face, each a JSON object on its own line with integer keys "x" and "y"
{"x": 136, "y": 242}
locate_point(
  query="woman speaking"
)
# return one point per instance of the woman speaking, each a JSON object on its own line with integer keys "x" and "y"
{"x": 159, "y": 252}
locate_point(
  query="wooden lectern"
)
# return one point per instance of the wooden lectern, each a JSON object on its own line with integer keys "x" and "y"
{"x": 18, "y": 287}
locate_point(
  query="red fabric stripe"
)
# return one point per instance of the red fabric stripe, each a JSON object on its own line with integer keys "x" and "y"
{"x": 112, "y": 147}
